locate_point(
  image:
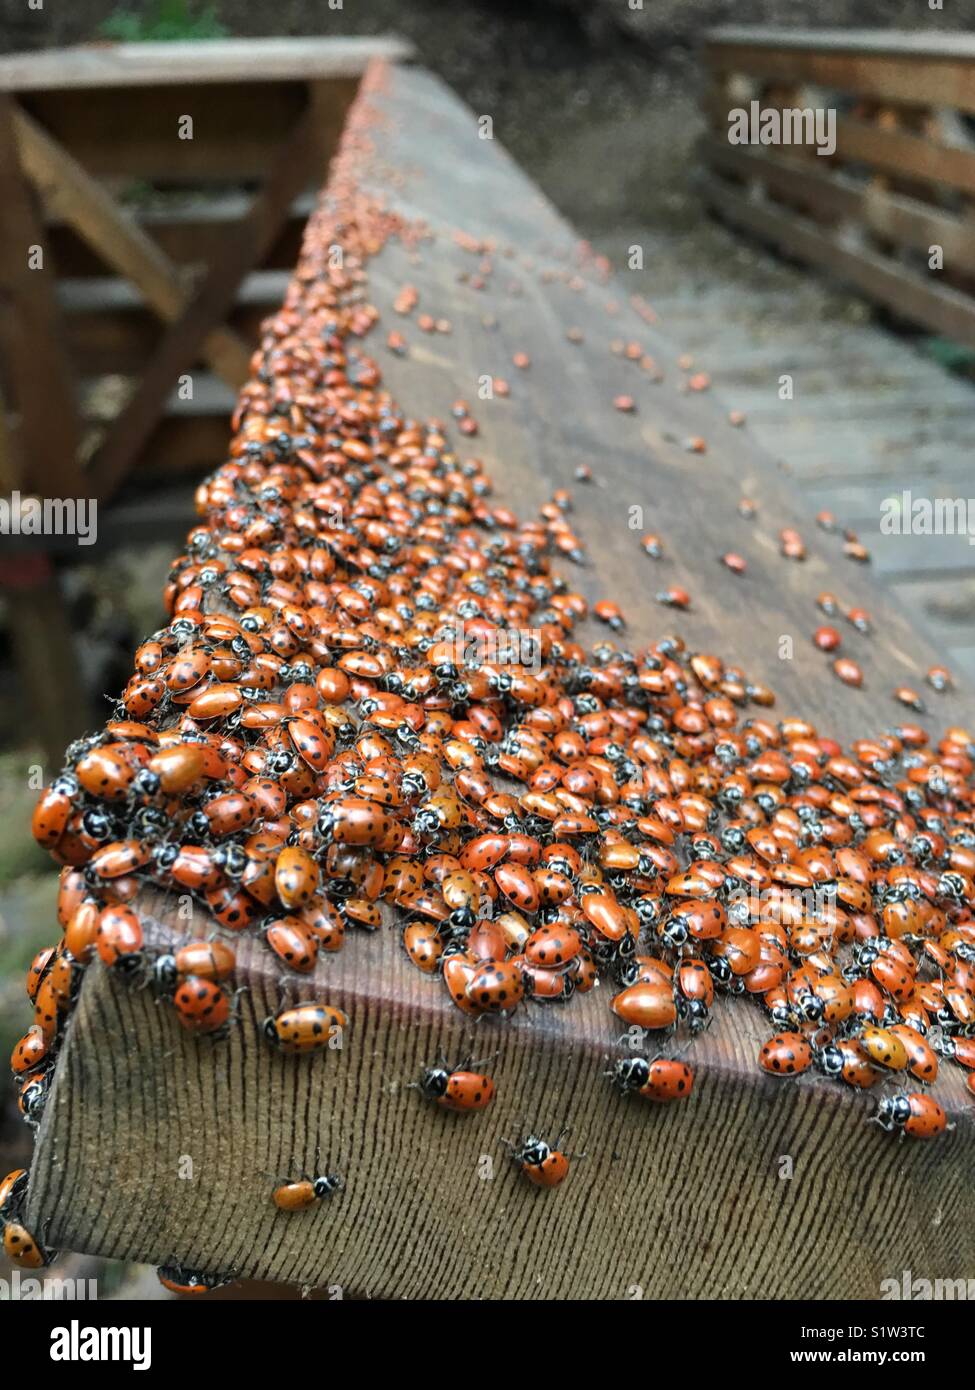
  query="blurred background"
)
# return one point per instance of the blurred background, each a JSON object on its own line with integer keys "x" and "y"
{"x": 602, "y": 103}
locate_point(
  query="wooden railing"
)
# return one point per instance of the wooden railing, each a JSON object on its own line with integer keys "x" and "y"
{"x": 133, "y": 243}
{"x": 890, "y": 209}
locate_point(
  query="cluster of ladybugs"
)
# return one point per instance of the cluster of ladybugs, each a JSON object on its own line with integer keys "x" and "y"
{"x": 305, "y": 742}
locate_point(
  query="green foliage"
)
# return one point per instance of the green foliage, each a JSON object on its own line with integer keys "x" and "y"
{"x": 168, "y": 19}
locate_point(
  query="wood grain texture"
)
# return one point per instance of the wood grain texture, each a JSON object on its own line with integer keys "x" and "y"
{"x": 211, "y": 60}
{"x": 74, "y": 195}
{"x": 683, "y": 1201}
{"x": 312, "y": 138}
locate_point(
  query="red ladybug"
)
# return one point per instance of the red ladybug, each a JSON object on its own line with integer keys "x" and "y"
{"x": 543, "y": 1164}
{"x": 458, "y": 1088}
{"x": 305, "y": 1027}
{"x": 306, "y": 1192}
{"x": 787, "y": 1054}
{"x": 915, "y": 1114}
{"x": 202, "y": 1006}
{"x": 663, "y": 1079}
{"x": 183, "y": 1281}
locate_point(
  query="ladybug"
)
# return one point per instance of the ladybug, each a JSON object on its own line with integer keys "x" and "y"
{"x": 21, "y": 1247}
{"x": 13, "y": 1189}
{"x": 456, "y": 1088}
{"x": 543, "y": 1164}
{"x": 119, "y": 939}
{"x": 306, "y": 1192}
{"x": 305, "y": 1027}
{"x": 553, "y": 947}
{"x": 649, "y": 1004}
{"x": 30, "y": 1051}
{"x": 296, "y": 877}
{"x": 179, "y": 1280}
{"x": 496, "y": 987}
{"x": 293, "y": 943}
{"x": 848, "y": 1061}
{"x": 914, "y": 1114}
{"x": 663, "y": 1079}
{"x": 209, "y": 960}
{"x": 202, "y": 1006}
{"x": 787, "y": 1054}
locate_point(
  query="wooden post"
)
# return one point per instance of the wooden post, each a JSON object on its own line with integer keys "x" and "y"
{"x": 30, "y": 332}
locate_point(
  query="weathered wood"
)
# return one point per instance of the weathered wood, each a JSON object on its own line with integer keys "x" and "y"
{"x": 211, "y": 60}
{"x": 192, "y": 234}
{"x": 76, "y": 196}
{"x": 35, "y": 363}
{"x": 303, "y": 154}
{"x": 837, "y": 197}
{"x": 679, "y": 1202}
{"x": 924, "y": 79}
{"x": 939, "y": 307}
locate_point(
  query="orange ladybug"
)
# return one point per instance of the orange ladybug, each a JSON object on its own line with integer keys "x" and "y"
{"x": 663, "y": 1079}
{"x": 787, "y": 1054}
{"x": 915, "y": 1114}
{"x": 458, "y": 1089}
{"x": 543, "y": 1164}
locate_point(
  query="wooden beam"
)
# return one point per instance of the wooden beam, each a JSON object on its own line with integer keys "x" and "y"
{"x": 218, "y": 61}
{"x": 892, "y": 77}
{"x": 417, "y": 1218}
{"x": 36, "y": 364}
{"x": 73, "y": 194}
{"x": 944, "y": 310}
{"x": 214, "y": 297}
{"x": 905, "y": 221}
{"x": 900, "y": 152}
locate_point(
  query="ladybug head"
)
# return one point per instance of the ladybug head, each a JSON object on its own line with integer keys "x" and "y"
{"x": 631, "y": 1073}
{"x": 433, "y": 1082}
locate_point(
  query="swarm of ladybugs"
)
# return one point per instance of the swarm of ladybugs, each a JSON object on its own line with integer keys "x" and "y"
{"x": 317, "y": 743}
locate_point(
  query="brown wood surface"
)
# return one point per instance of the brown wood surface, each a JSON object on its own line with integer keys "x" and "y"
{"x": 941, "y": 308}
{"x": 36, "y": 379}
{"x": 237, "y": 61}
{"x": 679, "y": 1201}
{"x": 907, "y": 222}
{"x": 946, "y": 79}
{"x": 70, "y": 191}
{"x": 312, "y": 138}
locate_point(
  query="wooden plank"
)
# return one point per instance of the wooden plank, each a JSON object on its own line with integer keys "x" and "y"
{"x": 906, "y": 221}
{"x": 909, "y": 156}
{"x": 122, "y": 342}
{"x": 120, "y": 242}
{"x": 35, "y": 361}
{"x": 416, "y": 1218}
{"x": 211, "y": 302}
{"x": 191, "y": 234}
{"x": 942, "y": 80}
{"x": 134, "y": 133}
{"x": 197, "y": 62}
{"x": 900, "y": 152}
{"x": 940, "y": 308}
{"x": 880, "y": 43}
